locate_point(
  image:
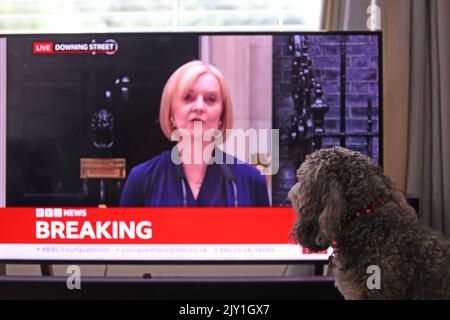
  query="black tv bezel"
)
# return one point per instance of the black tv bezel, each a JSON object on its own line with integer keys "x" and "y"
{"x": 379, "y": 34}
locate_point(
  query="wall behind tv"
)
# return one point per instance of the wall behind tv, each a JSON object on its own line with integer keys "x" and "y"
{"x": 362, "y": 84}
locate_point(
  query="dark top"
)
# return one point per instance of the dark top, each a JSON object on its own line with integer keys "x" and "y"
{"x": 158, "y": 183}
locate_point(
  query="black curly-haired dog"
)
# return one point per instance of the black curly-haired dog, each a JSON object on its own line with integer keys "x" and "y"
{"x": 344, "y": 200}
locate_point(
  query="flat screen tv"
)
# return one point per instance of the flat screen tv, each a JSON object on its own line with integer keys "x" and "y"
{"x": 90, "y": 173}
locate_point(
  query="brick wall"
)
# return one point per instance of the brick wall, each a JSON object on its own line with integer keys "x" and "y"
{"x": 362, "y": 84}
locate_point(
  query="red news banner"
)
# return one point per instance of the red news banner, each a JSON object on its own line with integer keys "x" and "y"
{"x": 146, "y": 225}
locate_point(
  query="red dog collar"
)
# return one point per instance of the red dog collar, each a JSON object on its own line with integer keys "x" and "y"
{"x": 366, "y": 209}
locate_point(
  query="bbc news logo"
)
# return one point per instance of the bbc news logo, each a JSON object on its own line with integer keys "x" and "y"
{"x": 49, "y": 213}
{"x": 59, "y": 213}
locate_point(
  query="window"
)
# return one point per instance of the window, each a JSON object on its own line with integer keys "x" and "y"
{"x": 58, "y": 16}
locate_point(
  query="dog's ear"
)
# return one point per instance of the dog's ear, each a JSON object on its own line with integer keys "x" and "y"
{"x": 293, "y": 196}
{"x": 332, "y": 216}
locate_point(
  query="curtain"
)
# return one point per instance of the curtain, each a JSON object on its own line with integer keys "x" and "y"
{"x": 344, "y": 14}
{"x": 428, "y": 170}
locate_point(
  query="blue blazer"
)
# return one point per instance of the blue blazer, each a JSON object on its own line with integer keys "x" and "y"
{"x": 157, "y": 183}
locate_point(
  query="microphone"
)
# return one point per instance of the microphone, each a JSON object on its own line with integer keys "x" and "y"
{"x": 180, "y": 175}
{"x": 227, "y": 172}
{"x": 179, "y": 171}
{"x": 229, "y": 176}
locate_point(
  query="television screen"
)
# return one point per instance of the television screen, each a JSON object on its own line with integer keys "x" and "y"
{"x": 176, "y": 146}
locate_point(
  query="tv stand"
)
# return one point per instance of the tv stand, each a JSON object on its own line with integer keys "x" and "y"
{"x": 179, "y": 288}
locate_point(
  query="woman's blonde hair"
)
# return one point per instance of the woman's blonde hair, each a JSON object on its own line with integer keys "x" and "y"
{"x": 180, "y": 82}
